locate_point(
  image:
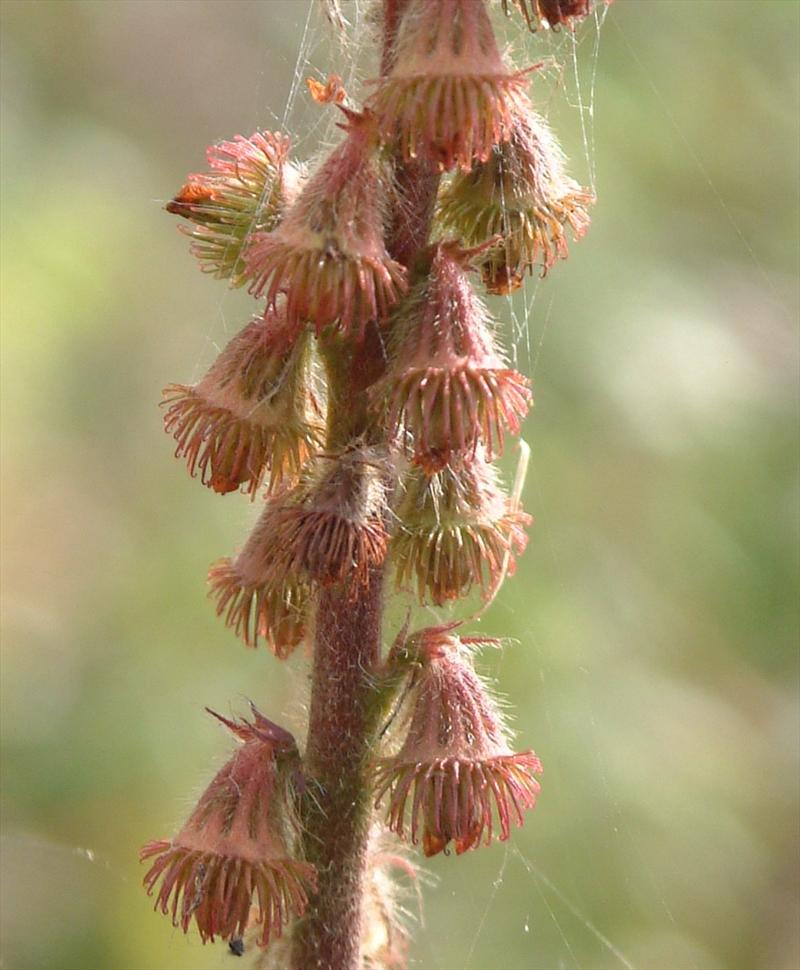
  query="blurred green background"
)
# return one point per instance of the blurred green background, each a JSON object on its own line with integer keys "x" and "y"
{"x": 654, "y": 668}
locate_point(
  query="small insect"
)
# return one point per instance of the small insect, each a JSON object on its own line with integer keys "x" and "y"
{"x": 236, "y": 946}
{"x": 192, "y": 194}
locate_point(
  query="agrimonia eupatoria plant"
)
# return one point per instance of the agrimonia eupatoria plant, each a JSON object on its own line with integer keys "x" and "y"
{"x": 366, "y": 402}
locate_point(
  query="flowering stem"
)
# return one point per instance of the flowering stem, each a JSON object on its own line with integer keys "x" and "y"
{"x": 347, "y": 650}
{"x": 418, "y": 398}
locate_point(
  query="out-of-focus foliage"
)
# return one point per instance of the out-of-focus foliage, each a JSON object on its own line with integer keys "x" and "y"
{"x": 655, "y": 664}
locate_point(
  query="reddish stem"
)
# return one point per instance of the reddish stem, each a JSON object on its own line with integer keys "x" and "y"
{"x": 338, "y": 803}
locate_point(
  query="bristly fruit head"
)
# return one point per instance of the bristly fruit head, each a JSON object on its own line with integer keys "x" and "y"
{"x": 523, "y": 196}
{"x": 328, "y": 528}
{"x": 257, "y": 599}
{"x": 328, "y": 255}
{"x": 229, "y": 866}
{"x": 331, "y": 527}
{"x": 456, "y": 530}
{"x": 250, "y": 183}
{"x": 251, "y": 414}
{"x": 447, "y": 384}
{"x": 449, "y": 96}
{"x": 256, "y": 604}
{"x": 455, "y": 778}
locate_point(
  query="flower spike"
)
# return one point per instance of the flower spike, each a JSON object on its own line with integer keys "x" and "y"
{"x": 250, "y": 414}
{"x": 368, "y": 400}
{"x": 228, "y": 868}
{"x": 457, "y": 529}
{"x": 447, "y": 384}
{"x": 449, "y": 97}
{"x": 328, "y": 255}
{"x": 455, "y": 777}
{"x": 523, "y": 196}
{"x": 250, "y": 184}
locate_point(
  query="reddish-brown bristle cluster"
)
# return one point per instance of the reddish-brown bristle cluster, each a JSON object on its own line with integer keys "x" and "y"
{"x": 252, "y": 413}
{"x": 447, "y": 384}
{"x": 328, "y": 256}
{"x": 250, "y": 183}
{"x": 226, "y": 896}
{"x": 325, "y": 284}
{"x": 521, "y": 196}
{"x": 329, "y": 547}
{"x": 449, "y": 97}
{"x": 329, "y": 528}
{"x": 451, "y": 121}
{"x": 229, "y": 868}
{"x": 457, "y": 531}
{"x": 228, "y": 452}
{"x": 260, "y": 608}
{"x": 455, "y": 777}
{"x": 332, "y": 528}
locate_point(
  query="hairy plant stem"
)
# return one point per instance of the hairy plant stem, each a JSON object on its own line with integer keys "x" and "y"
{"x": 343, "y": 721}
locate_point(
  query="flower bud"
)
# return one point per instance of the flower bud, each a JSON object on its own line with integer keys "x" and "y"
{"x": 449, "y": 97}
{"x": 457, "y": 529}
{"x": 523, "y": 195}
{"x": 250, "y": 183}
{"x": 229, "y": 866}
{"x": 328, "y": 255}
{"x": 447, "y": 384}
{"x": 250, "y": 414}
{"x": 455, "y": 778}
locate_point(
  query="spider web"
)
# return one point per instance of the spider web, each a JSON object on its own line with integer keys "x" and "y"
{"x": 570, "y": 68}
